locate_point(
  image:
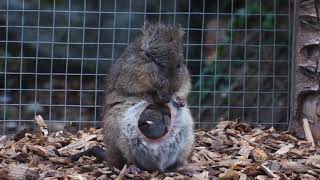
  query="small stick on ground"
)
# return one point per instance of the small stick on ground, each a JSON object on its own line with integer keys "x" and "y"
{"x": 269, "y": 172}
{"x": 307, "y": 131}
{"x": 122, "y": 173}
{"x": 41, "y": 124}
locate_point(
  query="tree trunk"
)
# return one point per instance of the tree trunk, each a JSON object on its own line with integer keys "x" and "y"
{"x": 306, "y": 69}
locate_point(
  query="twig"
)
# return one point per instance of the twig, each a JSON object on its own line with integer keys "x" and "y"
{"x": 122, "y": 173}
{"x": 269, "y": 172}
{"x": 41, "y": 124}
{"x": 307, "y": 131}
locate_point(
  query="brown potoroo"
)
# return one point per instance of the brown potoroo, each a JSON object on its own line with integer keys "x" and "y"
{"x": 150, "y": 71}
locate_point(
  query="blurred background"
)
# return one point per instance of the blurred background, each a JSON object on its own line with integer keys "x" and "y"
{"x": 55, "y": 54}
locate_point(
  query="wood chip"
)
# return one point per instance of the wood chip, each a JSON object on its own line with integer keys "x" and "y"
{"x": 245, "y": 150}
{"x": 307, "y": 131}
{"x": 77, "y": 145}
{"x": 229, "y": 174}
{"x": 284, "y": 149}
{"x": 122, "y": 173}
{"x": 60, "y": 160}
{"x": 204, "y": 175}
{"x": 40, "y": 150}
{"x": 232, "y": 151}
{"x": 298, "y": 152}
{"x": 243, "y": 176}
{"x": 259, "y": 155}
{"x": 234, "y": 162}
{"x": 293, "y": 166}
{"x": 269, "y": 172}
{"x": 41, "y": 125}
{"x": 314, "y": 161}
{"x": 17, "y": 171}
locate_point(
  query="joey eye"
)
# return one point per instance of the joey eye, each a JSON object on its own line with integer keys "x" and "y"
{"x": 178, "y": 66}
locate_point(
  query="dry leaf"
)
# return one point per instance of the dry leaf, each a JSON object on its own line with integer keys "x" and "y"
{"x": 314, "y": 161}
{"x": 259, "y": 155}
{"x": 284, "y": 149}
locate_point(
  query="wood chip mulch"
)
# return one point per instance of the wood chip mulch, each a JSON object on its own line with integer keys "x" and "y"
{"x": 232, "y": 150}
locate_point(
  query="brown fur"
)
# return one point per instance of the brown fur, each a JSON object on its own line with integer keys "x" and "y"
{"x": 136, "y": 72}
{"x": 151, "y": 69}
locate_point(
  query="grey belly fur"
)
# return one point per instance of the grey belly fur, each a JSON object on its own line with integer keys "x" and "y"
{"x": 152, "y": 156}
{"x": 160, "y": 154}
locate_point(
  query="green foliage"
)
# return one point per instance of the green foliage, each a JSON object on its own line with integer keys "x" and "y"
{"x": 216, "y": 67}
{"x": 254, "y": 8}
{"x": 267, "y": 21}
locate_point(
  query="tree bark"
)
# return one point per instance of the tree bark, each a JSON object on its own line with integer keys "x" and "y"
{"x": 306, "y": 69}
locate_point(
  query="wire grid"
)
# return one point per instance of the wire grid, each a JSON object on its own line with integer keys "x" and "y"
{"x": 54, "y": 56}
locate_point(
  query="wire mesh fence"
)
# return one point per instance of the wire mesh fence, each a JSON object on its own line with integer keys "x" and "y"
{"x": 54, "y": 56}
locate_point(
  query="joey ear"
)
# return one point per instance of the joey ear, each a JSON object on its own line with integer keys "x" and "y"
{"x": 148, "y": 28}
{"x": 148, "y": 33}
{"x": 146, "y": 25}
{"x": 181, "y": 31}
